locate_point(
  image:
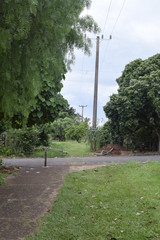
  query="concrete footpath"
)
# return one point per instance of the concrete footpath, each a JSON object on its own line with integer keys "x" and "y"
{"x": 26, "y": 197}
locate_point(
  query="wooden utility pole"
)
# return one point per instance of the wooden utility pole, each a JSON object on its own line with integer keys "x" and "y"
{"x": 94, "y": 124}
{"x": 82, "y": 106}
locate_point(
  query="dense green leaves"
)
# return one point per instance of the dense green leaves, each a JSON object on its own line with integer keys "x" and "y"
{"x": 59, "y": 127}
{"x": 135, "y": 111}
{"x": 77, "y": 131}
{"x": 36, "y": 37}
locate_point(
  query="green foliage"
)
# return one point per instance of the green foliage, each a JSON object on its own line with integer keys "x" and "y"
{"x": 1, "y": 166}
{"x": 43, "y": 135}
{"x": 68, "y": 125}
{"x": 77, "y": 132}
{"x": 4, "y": 125}
{"x": 58, "y": 128}
{"x": 134, "y": 113}
{"x": 36, "y": 38}
{"x": 23, "y": 140}
{"x": 2, "y": 178}
{"x": 98, "y": 138}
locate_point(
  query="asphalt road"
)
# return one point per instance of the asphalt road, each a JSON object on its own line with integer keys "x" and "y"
{"x": 36, "y": 162}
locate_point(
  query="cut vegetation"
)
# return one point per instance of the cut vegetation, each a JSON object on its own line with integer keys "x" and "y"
{"x": 120, "y": 201}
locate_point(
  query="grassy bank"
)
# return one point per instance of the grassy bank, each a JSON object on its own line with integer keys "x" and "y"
{"x": 65, "y": 149}
{"x": 120, "y": 201}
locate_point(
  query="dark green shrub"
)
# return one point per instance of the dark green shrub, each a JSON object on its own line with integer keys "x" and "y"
{"x": 23, "y": 140}
{"x": 44, "y": 139}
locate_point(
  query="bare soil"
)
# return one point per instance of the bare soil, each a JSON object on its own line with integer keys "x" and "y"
{"x": 113, "y": 149}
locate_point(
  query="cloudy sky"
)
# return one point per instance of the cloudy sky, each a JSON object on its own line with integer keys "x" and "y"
{"x": 135, "y": 29}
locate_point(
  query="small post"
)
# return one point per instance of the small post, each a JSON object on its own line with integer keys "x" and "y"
{"x": 45, "y": 158}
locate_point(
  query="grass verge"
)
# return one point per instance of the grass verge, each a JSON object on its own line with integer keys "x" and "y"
{"x": 65, "y": 149}
{"x": 120, "y": 201}
{"x": 2, "y": 178}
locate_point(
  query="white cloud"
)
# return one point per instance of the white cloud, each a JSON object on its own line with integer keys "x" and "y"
{"x": 105, "y": 92}
{"x": 136, "y": 35}
{"x": 146, "y": 33}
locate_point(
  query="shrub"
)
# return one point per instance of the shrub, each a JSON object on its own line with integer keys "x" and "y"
{"x": 23, "y": 140}
{"x": 98, "y": 138}
{"x": 43, "y": 135}
{"x": 77, "y": 132}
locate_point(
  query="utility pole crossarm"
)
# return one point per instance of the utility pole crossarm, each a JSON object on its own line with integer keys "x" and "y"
{"x": 82, "y": 106}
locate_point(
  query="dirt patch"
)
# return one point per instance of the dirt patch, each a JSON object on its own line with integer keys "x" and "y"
{"x": 86, "y": 167}
{"x": 9, "y": 170}
{"x": 113, "y": 149}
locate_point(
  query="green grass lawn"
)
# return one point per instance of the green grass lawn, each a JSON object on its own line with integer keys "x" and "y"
{"x": 119, "y": 201}
{"x": 66, "y": 149}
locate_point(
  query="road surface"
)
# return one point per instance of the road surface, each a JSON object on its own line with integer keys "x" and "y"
{"x": 36, "y": 162}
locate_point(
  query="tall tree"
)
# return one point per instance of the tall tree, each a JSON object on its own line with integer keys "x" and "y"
{"x": 36, "y": 38}
{"x": 136, "y": 107}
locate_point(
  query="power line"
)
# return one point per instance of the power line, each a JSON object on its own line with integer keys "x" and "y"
{"x": 114, "y": 26}
{"x": 87, "y": 72}
{"x": 107, "y": 16}
{"x": 106, "y": 49}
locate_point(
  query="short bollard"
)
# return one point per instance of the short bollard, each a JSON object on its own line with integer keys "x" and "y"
{"x": 45, "y": 158}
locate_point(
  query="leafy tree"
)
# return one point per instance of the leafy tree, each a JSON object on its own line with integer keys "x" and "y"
{"x": 59, "y": 126}
{"x": 77, "y": 131}
{"x": 136, "y": 107}
{"x": 49, "y": 105}
{"x": 36, "y": 39}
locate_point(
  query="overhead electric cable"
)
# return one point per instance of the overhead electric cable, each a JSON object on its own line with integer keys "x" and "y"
{"x": 107, "y": 16}
{"x": 114, "y": 26}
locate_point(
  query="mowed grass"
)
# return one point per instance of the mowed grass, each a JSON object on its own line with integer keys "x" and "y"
{"x": 66, "y": 149}
{"x": 119, "y": 201}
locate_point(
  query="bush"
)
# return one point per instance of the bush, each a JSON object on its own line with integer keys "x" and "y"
{"x": 77, "y": 132}
{"x": 43, "y": 135}
{"x": 23, "y": 140}
{"x": 58, "y": 128}
{"x": 1, "y": 165}
{"x": 98, "y": 138}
